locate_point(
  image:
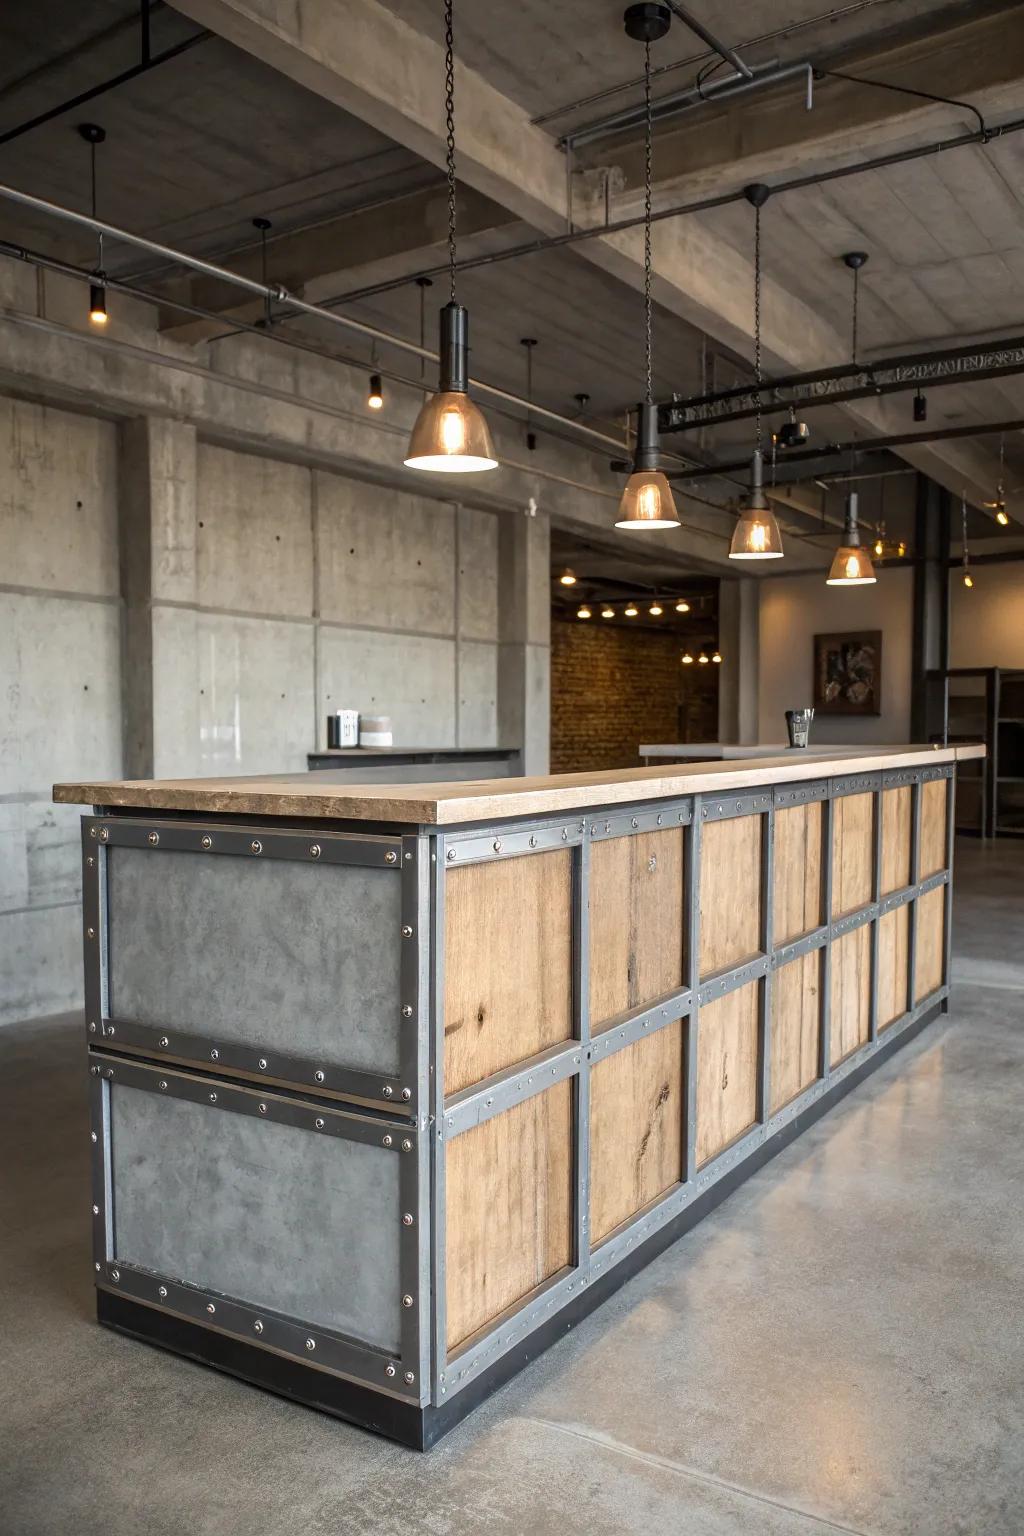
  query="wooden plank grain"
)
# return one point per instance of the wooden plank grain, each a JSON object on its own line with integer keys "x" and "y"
{"x": 508, "y": 1209}
{"x": 852, "y": 852}
{"x": 508, "y": 963}
{"x": 797, "y": 906}
{"x": 850, "y": 1001}
{"x": 636, "y": 1127}
{"x": 726, "y": 1070}
{"x": 895, "y": 809}
{"x": 933, "y": 828}
{"x": 929, "y": 962}
{"x": 730, "y": 892}
{"x": 636, "y": 921}
{"x": 893, "y": 965}
{"x": 795, "y": 1028}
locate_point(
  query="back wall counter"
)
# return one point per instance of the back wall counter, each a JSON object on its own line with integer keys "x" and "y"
{"x": 390, "y": 1085}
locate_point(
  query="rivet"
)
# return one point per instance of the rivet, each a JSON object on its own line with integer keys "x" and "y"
{"x": 108, "y": 1074}
{"x": 90, "y": 860}
{"x": 407, "y": 1145}
{"x": 207, "y": 843}
{"x": 162, "y": 1292}
{"x": 406, "y": 1301}
{"x": 163, "y": 1085}
{"x": 164, "y": 1042}
{"x": 565, "y": 835}
{"x": 533, "y": 842}
{"x": 93, "y": 1136}
{"x": 97, "y": 1267}
{"x": 406, "y": 931}
{"x": 408, "y": 857}
{"x": 406, "y": 1093}
{"x": 115, "y": 1275}
{"x": 262, "y": 1063}
{"x": 94, "y": 1071}
{"x": 263, "y": 1109}
{"x": 311, "y": 1344}
{"x": 210, "y": 1308}
{"x": 90, "y": 933}
{"x": 410, "y": 1378}
{"x": 110, "y": 1030}
{"x": 92, "y": 1026}
{"x": 318, "y": 1076}
{"x": 104, "y": 834}
{"x": 633, "y": 821}
{"x": 659, "y": 821}
{"x": 391, "y": 857}
{"x": 213, "y": 1098}
{"x": 318, "y": 1122}
{"x": 387, "y": 1141}
{"x": 407, "y": 1219}
{"x": 95, "y": 1210}
{"x": 387, "y": 1090}
{"x": 407, "y": 1011}
{"x": 257, "y": 1326}
{"x": 389, "y": 1370}
{"x": 314, "y": 850}
{"x": 215, "y": 1054}
{"x": 450, "y": 854}
{"x": 719, "y": 810}
{"x": 255, "y": 846}
{"x": 497, "y": 845}
{"x": 154, "y": 838}
{"x": 92, "y": 831}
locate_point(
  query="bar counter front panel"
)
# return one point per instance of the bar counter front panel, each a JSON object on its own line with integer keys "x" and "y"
{"x": 378, "y": 1111}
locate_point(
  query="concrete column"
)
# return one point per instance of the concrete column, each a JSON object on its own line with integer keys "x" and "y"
{"x": 524, "y": 636}
{"x": 739, "y": 641}
{"x": 159, "y": 647}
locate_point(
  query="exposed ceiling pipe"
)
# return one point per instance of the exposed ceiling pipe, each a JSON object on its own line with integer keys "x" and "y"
{"x": 729, "y": 55}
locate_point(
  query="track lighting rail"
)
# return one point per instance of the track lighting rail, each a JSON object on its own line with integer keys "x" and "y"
{"x": 848, "y": 381}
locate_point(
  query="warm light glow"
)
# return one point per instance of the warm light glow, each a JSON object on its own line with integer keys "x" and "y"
{"x": 682, "y": 606}
{"x": 451, "y": 436}
{"x": 607, "y": 613}
{"x": 568, "y": 578}
{"x": 1001, "y": 517}
{"x": 655, "y": 609}
{"x": 703, "y": 659}
{"x": 686, "y": 659}
{"x": 97, "y": 304}
{"x": 717, "y": 656}
{"x": 851, "y": 567}
{"x": 647, "y": 502}
{"x": 583, "y": 612}
{"x": 968, "y": 579}
{"x": 375, "y": 398}
{"x": 879, "y": 548}
{"x": 756, "y": 536}
{"x": 630, "y": 611}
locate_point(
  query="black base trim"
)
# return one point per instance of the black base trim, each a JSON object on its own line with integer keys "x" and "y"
{"x": 421, "y": 1428}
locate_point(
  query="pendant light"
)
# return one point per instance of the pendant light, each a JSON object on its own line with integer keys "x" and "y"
{"x": 851, "y": 564}
{"x": 756, "y": 535}
{"x": 998, "y": 506}
{"x": 647, "y": 498}
{"x": 965, "y": 558}
{"x": 93, "y": 134}
{"x": 451, "y": 434}
{"x": 375, "y": 395}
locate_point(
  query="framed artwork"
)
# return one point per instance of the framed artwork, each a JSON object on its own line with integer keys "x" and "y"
{"x": 848, "y": 673}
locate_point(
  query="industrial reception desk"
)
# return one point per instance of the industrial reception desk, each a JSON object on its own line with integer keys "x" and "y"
{"x": 392, "y": 1084}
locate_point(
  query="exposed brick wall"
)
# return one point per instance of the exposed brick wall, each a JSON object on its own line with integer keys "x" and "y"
{"x": 612, "y": 688}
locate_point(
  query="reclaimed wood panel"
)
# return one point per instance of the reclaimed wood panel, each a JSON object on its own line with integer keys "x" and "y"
{"x": 636, "y": 921}
{"x": 850, "y": 1001}
{"x": 930, "y": 956}
{"x": 896, "y": 816}
{"x": 636, "y": 1127}
{"x": 893, "y": 965}
{"x": 508, "y": 1208}
{"x": 795, "y": 1028}
{"x": 933, "y": 828}
{"x": 507, "y": 963}
{"x": 726, "y": 1070}
{"x": 797, "y": 870}
{"x": 730, "y": 892}
{"x": 852, "y": 852}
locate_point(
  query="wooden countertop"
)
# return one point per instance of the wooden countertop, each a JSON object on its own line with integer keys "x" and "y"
{"x": 441, "y": 804}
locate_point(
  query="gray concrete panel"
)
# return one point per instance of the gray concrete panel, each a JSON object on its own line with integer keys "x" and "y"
{"x": 303, "y": 958}
{"x": 301, "y": 1224}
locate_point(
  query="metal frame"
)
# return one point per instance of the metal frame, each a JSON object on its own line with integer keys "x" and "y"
{"x": 423, "y": 857}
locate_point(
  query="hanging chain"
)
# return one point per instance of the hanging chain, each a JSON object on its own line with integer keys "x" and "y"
{"x": 92, "y": 173}
{"x": 449, "y": 108}
{"x": 757, "y": 326}
{"x": 648, "y": 160}
{"x": 853, "y": 335}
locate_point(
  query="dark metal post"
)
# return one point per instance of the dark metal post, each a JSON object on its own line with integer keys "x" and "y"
{"x": 930, "y": 644}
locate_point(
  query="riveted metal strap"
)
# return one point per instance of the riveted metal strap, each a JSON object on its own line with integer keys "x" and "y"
{"x": 669, "y": 813}
{"x": 723, "y": 982}
{"x": 724, "y": 807}
{"x": 851, "y": 920}
{"x": 500, "y": 843}
{"x": 940, "y": 771}
{"x": 258, "y": 840}
{"x": 892, "y": 778}
{"x": 894, "y": 899}
{"x": 626, "y": 1028}
{"x": 804, "y": 945}
{"x": 800, "y": 794}
{"x": 854, "y": 784}
{"x": 496, "y": 1094}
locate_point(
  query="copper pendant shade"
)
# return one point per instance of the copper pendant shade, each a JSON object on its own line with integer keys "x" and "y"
{"x": 851, "y": 564}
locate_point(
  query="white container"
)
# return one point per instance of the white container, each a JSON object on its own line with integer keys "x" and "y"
{"x": 375, "y": 731}
{"x": 348, "y": 720}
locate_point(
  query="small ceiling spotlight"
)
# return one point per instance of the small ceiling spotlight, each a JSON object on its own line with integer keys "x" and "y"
{"x": 686, "y": 659}
{"x": 920, "y": 407}
{"x": 375, "y": 398}
{"x": 655, "y": 610}
{"x": 965, "y": 566}
{"x": 998, "y": 503}
{"x": 630, "y": 610}
{"x": 851, "y": 564}
{"x": 582, "y": 401}
{"x": 716, "y": 657}
{"x": 703, "y": 658}
{"x": 583, "y": 612}
{"x": 93, "y": 134}
{"x": 682, "y": 606}
{"x": 529, "y": 342}
{"x": 792, "y": 433}
{"x": 568, "y": 577}
{"x": 607, "y": 612}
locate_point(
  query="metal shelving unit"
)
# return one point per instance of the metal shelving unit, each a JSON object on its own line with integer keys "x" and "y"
{"x": 983, "y": 704}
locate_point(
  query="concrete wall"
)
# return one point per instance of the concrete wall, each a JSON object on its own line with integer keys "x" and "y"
{"x": 793, "y": 609}
{"x": 986, "y": 624}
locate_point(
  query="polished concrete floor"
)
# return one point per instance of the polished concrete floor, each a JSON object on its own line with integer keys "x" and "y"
{"x": 840, "y": 1347}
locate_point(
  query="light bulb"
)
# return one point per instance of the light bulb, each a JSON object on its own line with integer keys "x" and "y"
{"x": 568, "y": 578}
{"x": 686, "y": 659}
{"x": 583, "y": 613}
{"x": 375, "y": 398}
{"x": 655, "y": 609}
{"x": 1001, "y": 517}
{"x": 607, "y": 613}
{"x": 97, "y": 304}
{"x": 879, "y": 548}
{"x": 682, "y": 606}
{"x": 716, "y": 656}
{"x": 647, "y": 502}
{"x": 453, "y": 430}
{"x": 703, "y": 659}
{"x": 630, "y": 611}
{"x": 968, "y": 579}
